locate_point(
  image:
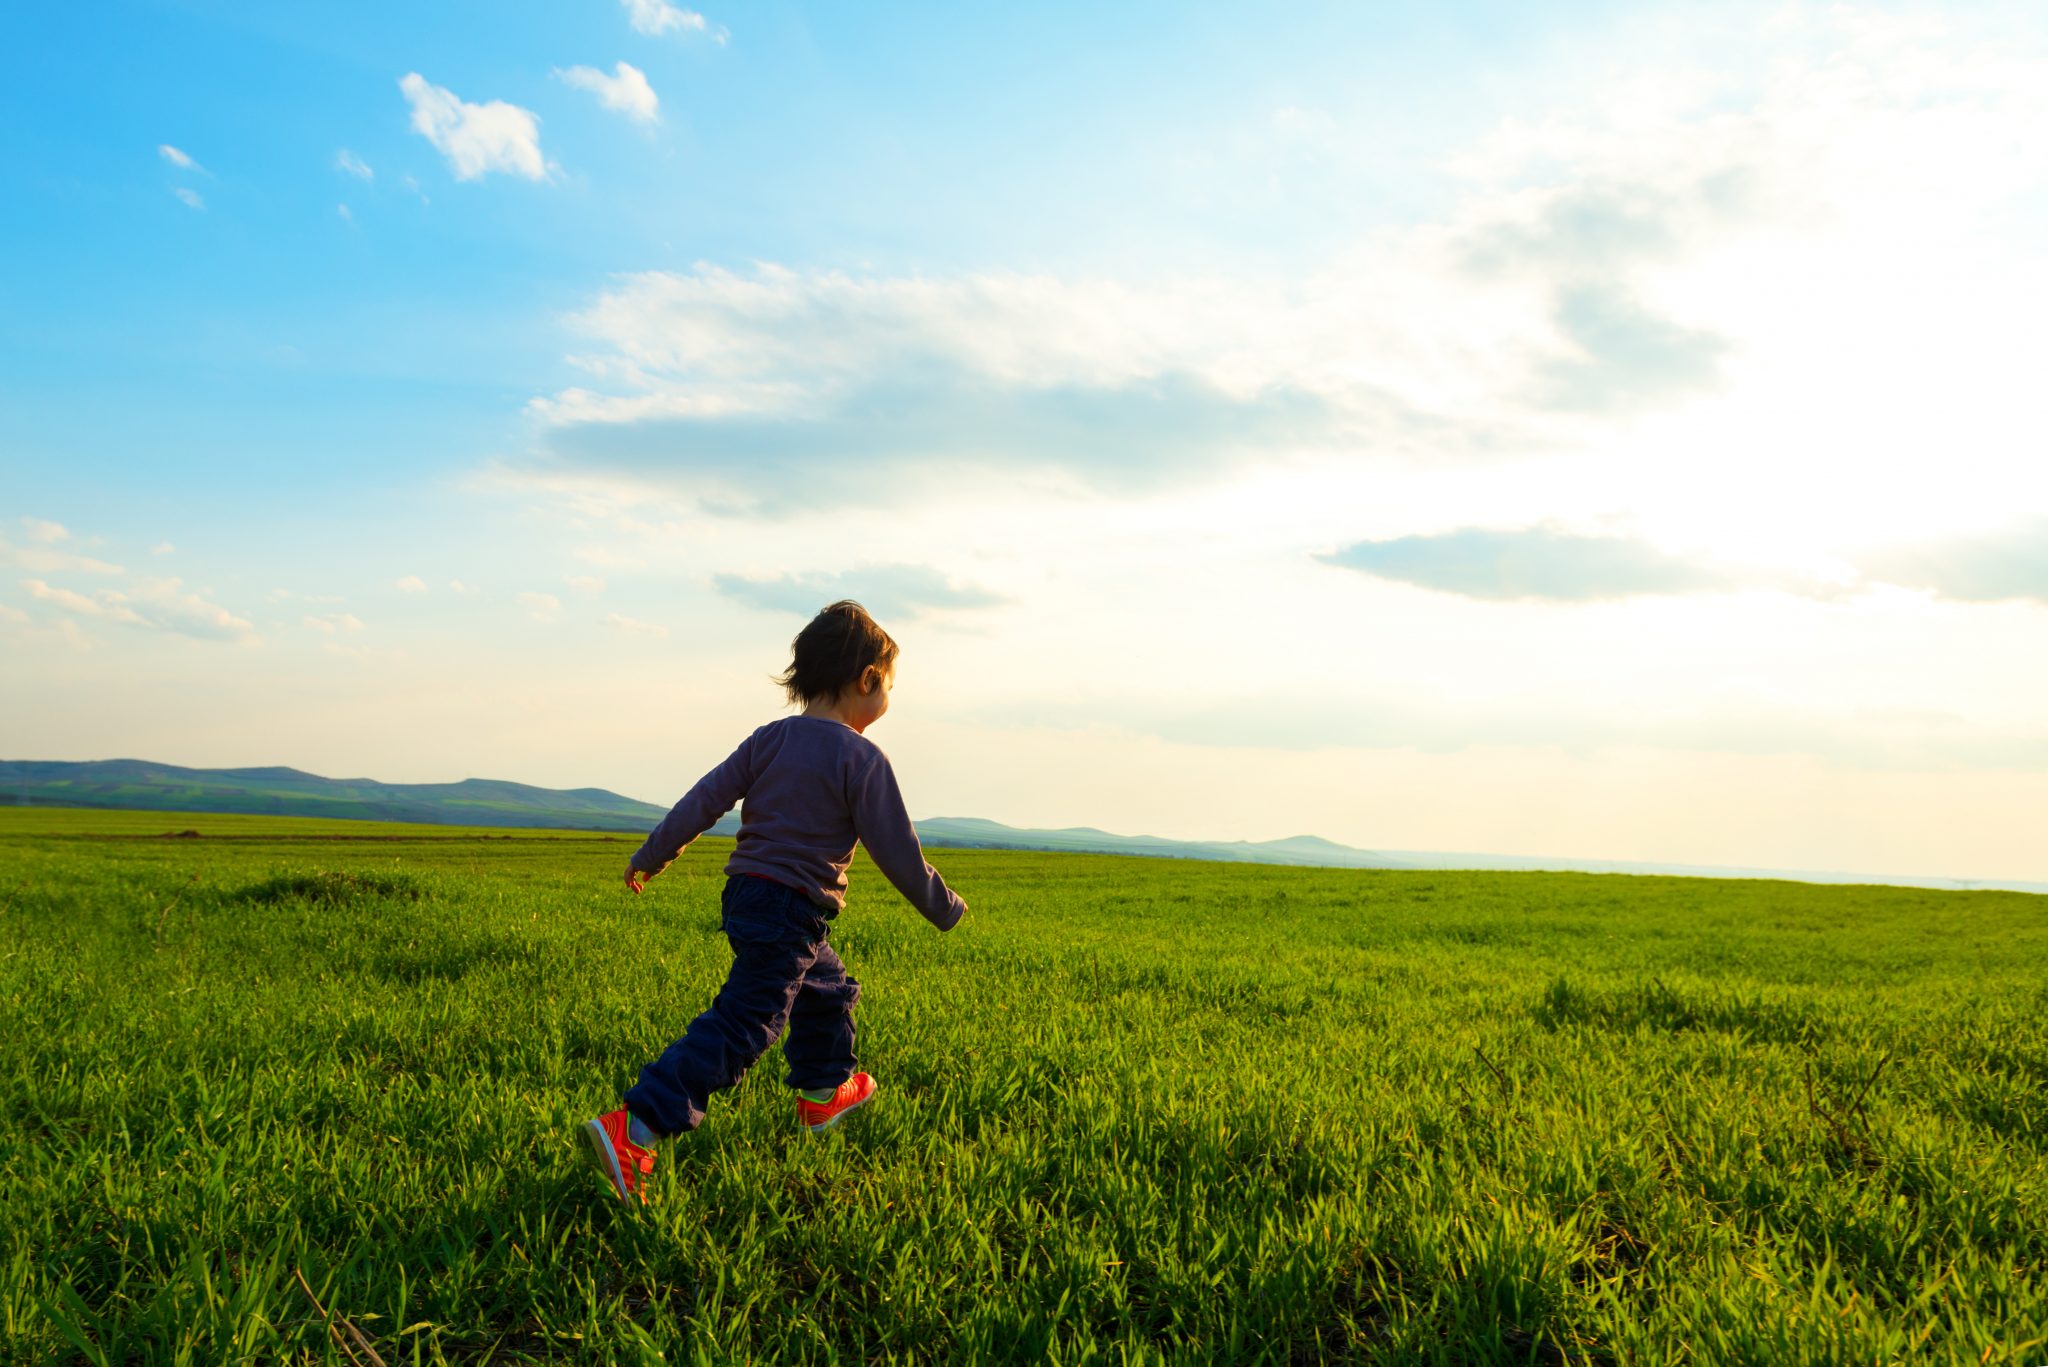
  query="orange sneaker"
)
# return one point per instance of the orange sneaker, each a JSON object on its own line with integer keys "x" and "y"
{"x": 624, "y": 1164}
{"x": 820, "y": 1116}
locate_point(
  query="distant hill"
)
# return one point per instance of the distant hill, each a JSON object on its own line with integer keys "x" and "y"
{"x": 974, "y": 833}
{"x": 141, "y": 784}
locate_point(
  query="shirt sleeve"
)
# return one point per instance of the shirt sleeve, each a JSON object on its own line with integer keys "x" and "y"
{"x": 883, "y": 825}
{"x": 711, "y": 798}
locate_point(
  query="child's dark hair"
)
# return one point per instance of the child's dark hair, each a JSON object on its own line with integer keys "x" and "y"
{"x": 834, "y": 653}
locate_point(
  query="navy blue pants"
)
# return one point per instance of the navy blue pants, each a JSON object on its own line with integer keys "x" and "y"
{"x": 783, "y": 973}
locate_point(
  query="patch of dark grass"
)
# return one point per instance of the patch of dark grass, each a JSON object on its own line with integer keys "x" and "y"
{"x": 333, "y": 889}
{"x": 1657, "y": 1007}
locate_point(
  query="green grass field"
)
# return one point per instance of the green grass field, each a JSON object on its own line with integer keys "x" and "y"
{"x": 1132, "y": 1111}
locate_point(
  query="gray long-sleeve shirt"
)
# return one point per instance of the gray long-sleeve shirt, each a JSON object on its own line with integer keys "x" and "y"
{"x": 812, "y": 786}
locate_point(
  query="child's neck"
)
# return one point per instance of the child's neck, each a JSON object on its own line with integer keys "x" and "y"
{"x": 837, "y": 710}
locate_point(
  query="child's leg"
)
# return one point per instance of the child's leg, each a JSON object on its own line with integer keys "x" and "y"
{"x": 773, "y": 948}
{"x": 820, "y": 1044}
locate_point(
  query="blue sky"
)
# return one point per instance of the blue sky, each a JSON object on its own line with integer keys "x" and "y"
{"x": 1523, "y": 428}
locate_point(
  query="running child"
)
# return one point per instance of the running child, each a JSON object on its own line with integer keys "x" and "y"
{"x": 813, "y": 784}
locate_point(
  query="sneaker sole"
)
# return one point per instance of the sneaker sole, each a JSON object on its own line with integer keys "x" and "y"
{"x": 825, "y": 1125}
{"x": 607, "y": 1160}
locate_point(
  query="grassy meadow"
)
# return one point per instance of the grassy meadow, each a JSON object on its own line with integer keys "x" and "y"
{"x": 1133, "y": 1111}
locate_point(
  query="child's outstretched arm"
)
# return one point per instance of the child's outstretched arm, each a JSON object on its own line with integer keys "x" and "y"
{"x": 883, "y": 824}
{"x": 710, "y": 798}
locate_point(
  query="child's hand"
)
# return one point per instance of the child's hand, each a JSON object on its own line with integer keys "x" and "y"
{"x": 636, "y": 879}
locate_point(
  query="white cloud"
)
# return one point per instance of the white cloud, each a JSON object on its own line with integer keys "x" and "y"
{"x": 475, "y": 138}
{"x": 744, "y": 387}
{"x": 627, "y": 92}
{"x": 177, "y": 158}
{"x": 1541, "y": 562}
{"x": 412, "y": 583}
{"x": 347, "y": 161}
{"x": 886, "y": 590}
{"x": 619, "y": 622}
{"x": 457, "y": 586}
{"x": 541, "y": 607}
{"x": 10, "y": 613}
{"x": 67, "y": 599}
{"x": 333, "y": 622}
{"x": 162, "y": 548}
{"x": 43, "y": 531}
{"x": 587, "y": 583}
{"x": 154, "y": 603}
{"x": 656, "y": 17}
{"x": 43, "y": 559}
{"x": 716, "y": 342}
{"x": 190, "y": 198}
{"x": 166, "y": 605}
{"x": 347, "y": 214}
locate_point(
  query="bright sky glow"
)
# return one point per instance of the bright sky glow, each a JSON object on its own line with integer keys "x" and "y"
{"x": 1601, "y": 430}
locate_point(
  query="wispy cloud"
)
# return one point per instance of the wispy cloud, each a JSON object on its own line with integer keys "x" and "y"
{"x": 167, "y": 605}
{"x": 44, "y": 557}
{"x": 2001, "y": 566}
{"x": 656, "y": 17}
{"x": 188, "y": 197}
{"x": 43, "y": 531}
{"x": 177, "y": 157}
{"x": 541, "y": 607}
{"x": 10, "y": 613}
{"x": 586, "y": 583}
{"x": 885, "y": 590}
{"x": 72, "y": 601}
{"x": 626, "y": 93}
{"x": 332, "y": 623}
{"x": 475, "y": 138}
{"x": 157, "y": 604}
{"x": 619, "y": 622}
{"x": 1528, "y": 563}
{"x": 411, "y": 583}
{"x": 349, "y": 162}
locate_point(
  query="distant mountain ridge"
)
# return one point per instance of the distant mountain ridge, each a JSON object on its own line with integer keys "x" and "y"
{"x": 279, "y": 791}
{"x": 967, "y": 832}
{"x": 135, "y": 784}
